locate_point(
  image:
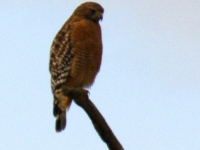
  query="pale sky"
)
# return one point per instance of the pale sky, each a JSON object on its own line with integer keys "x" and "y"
{"x": 148, "y": 88}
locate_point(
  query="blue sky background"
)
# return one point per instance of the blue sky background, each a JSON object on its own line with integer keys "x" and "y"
{"x": 148, "y": 88}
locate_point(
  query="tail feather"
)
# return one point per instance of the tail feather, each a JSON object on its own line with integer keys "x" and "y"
{"x": 61, "y": 105}
{"x": 61, "y": 121}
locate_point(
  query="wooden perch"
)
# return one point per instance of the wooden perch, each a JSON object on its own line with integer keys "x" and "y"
{"x": 80, "y": 97}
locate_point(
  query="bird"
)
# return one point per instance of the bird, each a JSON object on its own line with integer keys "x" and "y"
{"x": 75, "y": 56}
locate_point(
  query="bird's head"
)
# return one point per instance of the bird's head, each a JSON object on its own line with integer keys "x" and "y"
{"x": 90, "y": 10}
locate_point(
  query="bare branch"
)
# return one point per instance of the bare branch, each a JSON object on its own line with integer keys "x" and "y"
{"x": 80, "y": 97}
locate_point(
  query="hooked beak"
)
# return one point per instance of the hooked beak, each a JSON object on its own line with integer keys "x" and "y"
{"x": 100, "y": 15}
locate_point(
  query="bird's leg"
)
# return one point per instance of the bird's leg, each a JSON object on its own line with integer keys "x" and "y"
{"x": 86, "y": 91}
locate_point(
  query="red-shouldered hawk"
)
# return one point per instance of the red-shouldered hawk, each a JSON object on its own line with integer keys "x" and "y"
{"x": 75, "y": 56}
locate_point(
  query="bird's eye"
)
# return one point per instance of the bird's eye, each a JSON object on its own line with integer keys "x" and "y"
{"x": 92, "y": 11}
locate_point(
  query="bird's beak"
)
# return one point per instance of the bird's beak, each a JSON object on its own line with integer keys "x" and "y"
{"x": 100, "y": 15}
